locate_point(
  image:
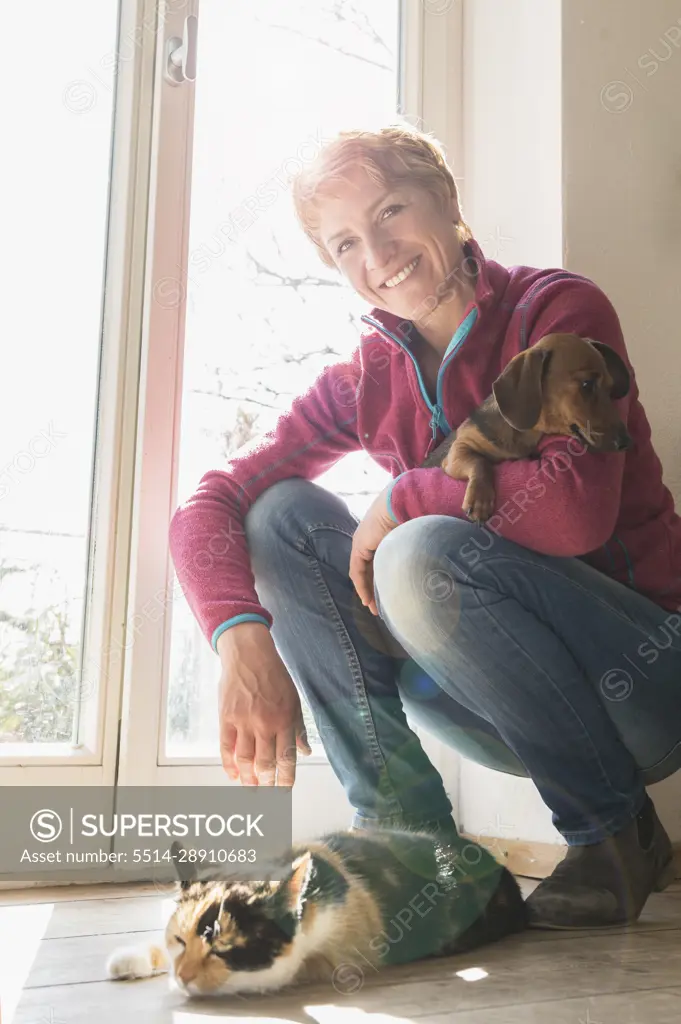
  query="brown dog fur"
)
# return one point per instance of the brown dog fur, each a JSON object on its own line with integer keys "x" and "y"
{"x": 562, "y": 385}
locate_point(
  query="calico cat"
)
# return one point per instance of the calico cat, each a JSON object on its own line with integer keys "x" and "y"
{"x": 348, "y": 901}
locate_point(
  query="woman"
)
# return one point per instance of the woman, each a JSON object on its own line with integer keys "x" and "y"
{"x": 546, "y": 645}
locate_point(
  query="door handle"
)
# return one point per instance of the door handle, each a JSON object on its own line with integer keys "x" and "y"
{"x": 181, "y": 53}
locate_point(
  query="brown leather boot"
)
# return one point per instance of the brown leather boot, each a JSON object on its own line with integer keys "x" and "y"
{"x": 606, "y": 883}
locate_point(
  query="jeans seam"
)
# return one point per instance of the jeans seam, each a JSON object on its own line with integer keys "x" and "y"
{"x": 556, "y": 691}
{"x": 349, "y": 650}
{"x": 592, "y": 595}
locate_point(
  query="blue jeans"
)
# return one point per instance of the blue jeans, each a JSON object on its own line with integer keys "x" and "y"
{"x": 532, "y": 665}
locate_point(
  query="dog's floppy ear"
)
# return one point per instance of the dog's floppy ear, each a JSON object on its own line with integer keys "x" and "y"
{"x": 518, "y": 390}
{"x": 616, "y": 369}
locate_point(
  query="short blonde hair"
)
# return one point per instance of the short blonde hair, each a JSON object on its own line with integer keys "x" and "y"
{"x": 392, "y": 155}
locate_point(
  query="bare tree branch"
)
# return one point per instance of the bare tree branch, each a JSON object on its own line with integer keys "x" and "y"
{"x": 326, "y": 351}
{"x": 286, "y": 281}
{"x": 338, "y": 49}
{"x": 41, "y": 533}
{"x": 272, "y": 391}
{"x": 233, "y": 398}
{"x": 361, "y": 21}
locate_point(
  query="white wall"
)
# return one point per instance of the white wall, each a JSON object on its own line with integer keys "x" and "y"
{"x": 572, "y": 157}
{"x": 511, "y": 187}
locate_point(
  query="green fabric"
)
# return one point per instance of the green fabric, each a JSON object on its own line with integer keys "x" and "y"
{"x": 440, "y": 887}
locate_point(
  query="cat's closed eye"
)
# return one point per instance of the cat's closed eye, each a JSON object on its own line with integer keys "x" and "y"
{"x": 246, "y": 958}
{"x": 181, "y": 941}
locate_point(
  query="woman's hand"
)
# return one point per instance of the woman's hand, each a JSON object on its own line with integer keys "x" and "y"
{"x": 376, "y": 525}
{"x": 261, "y": 719}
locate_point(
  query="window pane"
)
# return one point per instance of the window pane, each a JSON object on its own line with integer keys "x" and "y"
{"x": 263, "y": 313}
{"x": 53, "y": 210}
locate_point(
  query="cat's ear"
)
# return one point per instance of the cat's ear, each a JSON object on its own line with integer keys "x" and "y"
{"x": 186, "y": 871}
{"x": 294, "y": 887}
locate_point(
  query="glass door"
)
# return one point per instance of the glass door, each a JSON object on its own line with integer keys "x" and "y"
{"x": 242, "y": 316}
{"x": 59, "y": 392}
{"x": 263, "y": 314}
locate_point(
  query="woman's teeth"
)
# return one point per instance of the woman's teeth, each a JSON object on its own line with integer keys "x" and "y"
{"x": 398, "y": 278}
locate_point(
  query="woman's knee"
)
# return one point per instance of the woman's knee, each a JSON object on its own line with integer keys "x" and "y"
{"x": 274, "y": 528}
{"x": 288, "y": 509}
{"x": 271, "y": 506}
{"x": 416, "y": 577}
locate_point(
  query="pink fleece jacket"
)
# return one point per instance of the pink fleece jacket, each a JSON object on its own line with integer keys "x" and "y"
{"x": 612, "y": 510}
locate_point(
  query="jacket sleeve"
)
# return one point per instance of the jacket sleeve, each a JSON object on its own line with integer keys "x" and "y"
{"x": 566, "y": 503}
{"x": 207, "y": 536}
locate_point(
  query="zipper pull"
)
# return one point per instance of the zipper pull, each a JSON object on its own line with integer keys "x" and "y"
{"x": 437, "y": 421}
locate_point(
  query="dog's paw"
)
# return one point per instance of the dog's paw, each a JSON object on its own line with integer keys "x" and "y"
{"x": 136, "y": 962}
{"x": 479, "y": 501}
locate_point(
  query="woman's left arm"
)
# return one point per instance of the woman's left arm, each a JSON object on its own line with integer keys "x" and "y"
{"x": 565, "y": 503}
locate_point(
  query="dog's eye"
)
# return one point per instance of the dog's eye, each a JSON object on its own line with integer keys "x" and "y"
{"x": 589, "y": 386}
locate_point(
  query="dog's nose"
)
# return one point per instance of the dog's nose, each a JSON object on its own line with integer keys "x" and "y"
{"x": 623, "y": 442}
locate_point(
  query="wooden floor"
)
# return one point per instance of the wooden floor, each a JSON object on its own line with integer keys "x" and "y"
{"x": 54, "y": 944}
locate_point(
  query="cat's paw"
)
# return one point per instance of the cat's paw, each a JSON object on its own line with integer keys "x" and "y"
{"x": 136, "y": 962}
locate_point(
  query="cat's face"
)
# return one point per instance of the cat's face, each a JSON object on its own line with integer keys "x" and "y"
{"x": 228, "y": 937}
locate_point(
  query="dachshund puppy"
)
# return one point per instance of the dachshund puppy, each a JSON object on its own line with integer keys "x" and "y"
{"x": 562, "y": 385}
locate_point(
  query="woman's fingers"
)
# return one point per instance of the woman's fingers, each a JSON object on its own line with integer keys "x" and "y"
{"x": 228, "y": 736}
{"x": 361, "y": 573}
{"x": 302, "y": 741}
{"x": 245, "y": 756}
{"x": 369, "y": 583}
{"x": 265, "y": 759}
{"x": 276, "y": 758}
{"x": 262, "y": 760}
{"x": 261, "y": 719}
{"x": 362, "y": 576}
{"x": 286, "y": 756}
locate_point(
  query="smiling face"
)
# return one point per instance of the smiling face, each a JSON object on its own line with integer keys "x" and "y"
{"x": 396, "y": 245}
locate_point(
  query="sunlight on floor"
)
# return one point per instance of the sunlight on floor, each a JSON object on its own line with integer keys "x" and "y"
{"x": 21, "y": 931}
{"x": 201, "y": 1018}
{"x": 320, "y": 1014}
{"x": 472, "y": 974}
{"x": 351, "y": 1015}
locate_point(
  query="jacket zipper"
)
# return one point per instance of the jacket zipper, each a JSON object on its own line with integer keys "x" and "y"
{"x": 438, "y": 420}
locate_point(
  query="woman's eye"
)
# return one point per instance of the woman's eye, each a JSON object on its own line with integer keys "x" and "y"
{"x": 395, "y": 207}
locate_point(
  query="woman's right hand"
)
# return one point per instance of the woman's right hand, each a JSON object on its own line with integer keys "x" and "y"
{"x": 261, "y": 719}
